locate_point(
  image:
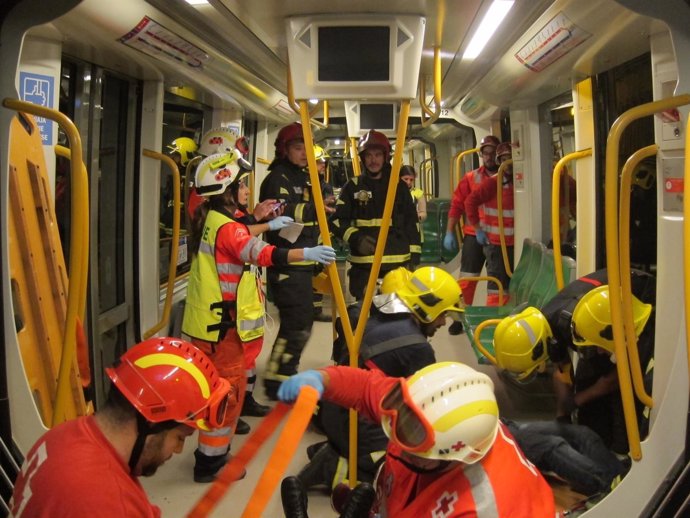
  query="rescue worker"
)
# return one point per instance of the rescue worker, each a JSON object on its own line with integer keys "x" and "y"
{"x": 487, "y": 231}
{"x": 224, "y": 312}
{"x": 472, "y": 259}
{"x": 396, "y": 342}
{"x": 359, "y": 210}
{"x": 322, "y": 158}
{"x": 408, "y": 175}
{"x": 90, "y": 465}
{"x": 448, "y": 454}
{"x": 291, "y": 285}
{"x": 578, "y": 319}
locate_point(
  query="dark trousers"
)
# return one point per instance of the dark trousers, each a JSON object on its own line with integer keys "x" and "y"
{"x": 575, "y": 453}
{"x": 292, "y": 293}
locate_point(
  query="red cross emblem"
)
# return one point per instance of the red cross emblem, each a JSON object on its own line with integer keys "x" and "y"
{"x": 458, "y": 446}
{"x": 445, "y": 505}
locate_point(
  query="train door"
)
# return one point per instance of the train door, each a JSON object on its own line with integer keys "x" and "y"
{"x": 104, "y": 106}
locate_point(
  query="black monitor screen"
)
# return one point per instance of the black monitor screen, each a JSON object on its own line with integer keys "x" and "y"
{"x": 354, "y": 53}
{"x": 377, "y": 116}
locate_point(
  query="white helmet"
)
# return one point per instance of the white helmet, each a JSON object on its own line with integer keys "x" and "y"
{"x": 216, "y": 172}
{"x": 446, "y": 411}
{"x": 218, "y": 140}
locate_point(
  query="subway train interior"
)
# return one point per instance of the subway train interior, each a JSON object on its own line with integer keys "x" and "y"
{"x": 95, "y": 255}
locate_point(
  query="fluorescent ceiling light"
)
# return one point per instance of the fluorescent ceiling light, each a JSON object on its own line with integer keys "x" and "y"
{"x": 197, "y": 2}
{"x": 492, "y": 19}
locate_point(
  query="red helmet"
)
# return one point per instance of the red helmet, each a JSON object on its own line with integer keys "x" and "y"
{"x": 374, "y": 139}
{"x": 168, "y": 379}
{"x": 504, "y": 148}
{"x": 289, "y": 133}
{"x": 489, "y": 140}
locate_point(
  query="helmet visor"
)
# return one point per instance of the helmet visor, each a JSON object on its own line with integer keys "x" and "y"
{"x": 213, "y": 415}
{"x": 409, "y": 428}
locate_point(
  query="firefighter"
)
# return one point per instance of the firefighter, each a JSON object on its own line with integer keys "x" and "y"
{"x": 224, "y": 311}
{"x": 578, "y": 320}
{"x": 359, "y": 210}
{"x": 486, "y": 228}
{"x": 396, "y": 342}
{"x": 290, "y": 285}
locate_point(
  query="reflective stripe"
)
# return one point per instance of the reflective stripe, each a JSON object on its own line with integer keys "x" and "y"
{"x": 250, "y": 325}
{"x": 228, "y": 287}
{"x": 215, "y": 442}
{"x": 348, "y": 233}
{"x": 482, "y": 491}
{"x": 507, "y": 231}
{"x": 250, "y": 253}
{"x": 207, "y": 248}
{"x": 299, "y": 212}
{"x": 492, "y": 211}
{"x": 368, "y": 222}
{"x": 229, "y": 268}
{"x": 415, "y": 249}
{"x": 386, "y": 259}
{"x": 283, "y": 190}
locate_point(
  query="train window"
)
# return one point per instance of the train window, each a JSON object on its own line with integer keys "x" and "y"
{"x": 180, "y": 119}
{"x": 355, "y": 57}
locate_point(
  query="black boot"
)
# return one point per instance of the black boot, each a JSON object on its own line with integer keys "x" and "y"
{"x": 359, "y": 501}
{"x": 242, "y": 427}
{"x": 252, "y": 408}
{"x": 320, "y": 471}
{"x": 294, "y": 498}
{"x": 455, "y": 328}
{"x": 207, "y": 467}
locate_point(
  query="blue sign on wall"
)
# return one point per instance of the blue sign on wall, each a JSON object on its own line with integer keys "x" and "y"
{"x": 39, "y": 89}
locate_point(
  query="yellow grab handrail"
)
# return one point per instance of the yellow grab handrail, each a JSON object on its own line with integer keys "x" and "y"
{"x": 186, "y": 186}
{"x": 353, "y": 341}
{"x": 79, "y": 243}
{"x": 174, "y": 244}
{"x": 436, "y": 112}
{"x": 499, "y": 202}
{"x": 477, "y": 278}
{"x": 478, "y": 344}
{"x": 626, "y": 281}
{"x": 686, "y": 242}
{"x": 456, "y": 165}
{"x": 355, "y": 156}
{"x": 613, "y": 259}
{"x": 555, "y": 211}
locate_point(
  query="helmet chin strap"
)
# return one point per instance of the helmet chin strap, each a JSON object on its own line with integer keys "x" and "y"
{"x": 442, "y": 465}
{"x": 144, "y": 429}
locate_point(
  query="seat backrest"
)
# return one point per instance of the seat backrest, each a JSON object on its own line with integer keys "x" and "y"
{"x": 533, "y": 268}
{"x": 521, "y": 267}
{"x": 544, "y": 287}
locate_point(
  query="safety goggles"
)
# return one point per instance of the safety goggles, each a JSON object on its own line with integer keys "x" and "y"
{"x": 409, "y": 428}
{"x": 213, "y": 414}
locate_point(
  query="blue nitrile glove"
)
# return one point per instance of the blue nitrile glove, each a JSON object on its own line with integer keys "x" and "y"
{"x": 449, "y": 241}
{"x": 279, "y": 222}
{"x": 322, "y": 254}
{"x": 289, "y": 389}
{"x": 481, "y": 236}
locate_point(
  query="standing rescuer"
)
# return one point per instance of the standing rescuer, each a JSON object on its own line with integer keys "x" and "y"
{"x": 290, "y": 285}
{"x": 359, "y": 212}
{"x": 224, "y": 312}
{"x": 487, "y": 228}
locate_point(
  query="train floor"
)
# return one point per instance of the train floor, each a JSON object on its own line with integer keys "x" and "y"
{"x": 173, "y": 489}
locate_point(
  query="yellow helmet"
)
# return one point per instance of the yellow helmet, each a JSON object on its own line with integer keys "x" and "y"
{"x": 321, "y": 154}
{"x": 591, "y": 323}
{"x": 394, "y": 280}
{"x": 520, "y": 342}
{"x": 429, "y": 292}
{"x": 185, "y": 147}
{"x": 447, "y": 408}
